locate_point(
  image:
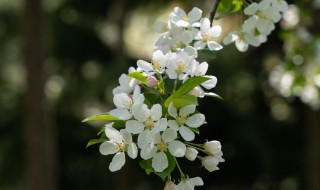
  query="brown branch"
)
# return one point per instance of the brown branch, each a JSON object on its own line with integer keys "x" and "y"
{"x": 214, "y": 10}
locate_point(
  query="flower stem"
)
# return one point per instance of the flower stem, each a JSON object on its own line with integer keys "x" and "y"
{"x": 180, "y": 171}
{"x": 193, "y": 144}
{"x": 175, "y": 85}
{"x": 214, "y": 10}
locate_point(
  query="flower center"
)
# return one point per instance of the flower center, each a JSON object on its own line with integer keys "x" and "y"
{"x": 184, "y": 17}
{"x": 156, "y": 65}
{"x": 149, "y": 123}
{"x": 181, "y": 119}
{"x": 120, "y": 147}
{"x": 162, "y": 146}
{"x": 261, "y": 15}
{"x": 205, "y": 38}
{"x": 181, "y": 67}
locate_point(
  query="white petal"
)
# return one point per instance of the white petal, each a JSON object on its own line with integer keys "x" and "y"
{"x": 242, "y": 45}
{"x": 113, "y": 134}
{"x": 195, "y": 14}
{"x": 144, "y": 138}
{"x": 156, "y": 112}
{"x": 211, "y": 83}
{"x": 205, "y": 25}
{"x": 215, "y": 31}
{"x": 212, "y": 45}
{"x": 148, "y": 152}
{"x": 144, "y": 65}
{"x": 169, "y": 135}
{"x": 251, "y": 9}
{"x": 186, "y": 133}
{"x": 121, "y": 113}
{"x": 196, "y": 120}
{"x": 107, "y": 148}
{"x": 199, "y": 45}
{"x": 202, "y": 69}
{"x": 231, "y": 37}
{"x": 191, "y": 153}
{"x": 134, "y": 126}
{"x": 197, "y": 181}
{"x": 160, "y": 125}
{"x": 186, "y": 37}
{"x": 159, "y": 162}
{"x": 141, "y": 112}
{"x": 122, "y": 100}
{"x": 177, "y": 148}
{"x": 132, "y": 150}
{"x": 172, "y": 110}
{"x": 171, "y": 73}
{"x": 173, "y": 125}
{"x": 126, "y": 136}
{"x": 117, "y": 162}
{"x": 186, "y": 110}
{"x": 191, "y": 51}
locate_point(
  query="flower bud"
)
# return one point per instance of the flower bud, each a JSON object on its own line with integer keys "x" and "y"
{"x": 170, "y": 186}
{"x": 152, "y": 81}
{"x": 191, "y": 154}
{"x": 210, "y": 163}
{"x": 213, "y": 147}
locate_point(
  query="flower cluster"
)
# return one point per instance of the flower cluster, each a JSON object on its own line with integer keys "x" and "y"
{"x": 261, "y": 21}
{"x": 155, "y": 116}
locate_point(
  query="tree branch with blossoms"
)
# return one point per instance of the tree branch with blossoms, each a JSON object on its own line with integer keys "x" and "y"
{"x": 156, "y": 116}
{"x": 214, "y": 10}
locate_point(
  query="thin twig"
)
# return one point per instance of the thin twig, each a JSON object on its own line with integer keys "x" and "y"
{"x": 214, "y": 10}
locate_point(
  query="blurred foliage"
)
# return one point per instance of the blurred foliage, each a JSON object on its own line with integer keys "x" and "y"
{"x": 262, "y": 132}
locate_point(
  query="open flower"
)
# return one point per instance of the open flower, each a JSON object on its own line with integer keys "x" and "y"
{"x": 119, "y": 143}
{"x": 158, "y": 147}
{"x": 147, "y": 123}
{"x": 179, "y": 65}
{"x": 185, "y": 120}
{"x": 127, "y": 84}
{"x": 207, "y": 36}
{"x": 181, "y": 19}
{"x": 157, "y": 64}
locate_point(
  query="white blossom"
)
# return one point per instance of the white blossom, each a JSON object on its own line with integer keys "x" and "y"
{"x": 181, "y": 19}
{"x": 191, "y": 153}
{"x": 119, "y": 143}
{"x": 157, "y": 64}
{"x": 207, "y": 36}
{"x": 210, "y": 163}
{"x": 185, "y": 120}
{"x": 179, "y": 65}
{"x": 127, "y": 84}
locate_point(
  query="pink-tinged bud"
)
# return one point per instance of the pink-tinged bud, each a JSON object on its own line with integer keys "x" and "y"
{"x": 191, "y": 154}
{"x": 210, "y": 163}
{"x": 170, "y": 186}
{"x": 152, "y": 81}
{"x": 213, "y": 147}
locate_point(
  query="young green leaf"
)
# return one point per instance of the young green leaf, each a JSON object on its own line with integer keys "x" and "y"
{"x": 186, "y": 87}
{"x": 95, "y": 141}
{"x": 101, "y": 117}
{"x": 139, "y": 76}
{"x": 184, "y": 101}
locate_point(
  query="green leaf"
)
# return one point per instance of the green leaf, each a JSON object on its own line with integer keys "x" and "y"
{"x": 95, "y": 141}
{"x": 208, "y": 53}
{"x": 213, "y": 95}
{"x": 101, "y": 117}
{"x": 147, "y": 165}
{"x": 185, "y": 100}
{"x": 118, "y": 124}
{"x": 186, "y": 87}
{"x": 228, "y": 6}
{"x": 139, "y": 76}
{"x": 196, "y": 130}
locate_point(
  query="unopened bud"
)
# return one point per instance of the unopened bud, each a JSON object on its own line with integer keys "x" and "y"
{"x": 152, "y": 81}
{"x": 213, "y": 147}
{"x": 170, "y": 186}
{"x": 191, "y": 154}
{"x": 210, "y": 163}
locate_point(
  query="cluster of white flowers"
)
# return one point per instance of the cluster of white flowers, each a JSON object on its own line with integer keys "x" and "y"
{"x": 261, "y": 22}
{"x": 155, "y": 115}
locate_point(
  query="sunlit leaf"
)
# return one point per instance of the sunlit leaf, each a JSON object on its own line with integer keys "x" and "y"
{"x": 95, "y": 141}
{"x": 186, "y": 87}
{"x": 185, "y": 100}
{"x": 139, "y": 76}
{"x": 213, "y": 95}
{"x": 101, "y": 117}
